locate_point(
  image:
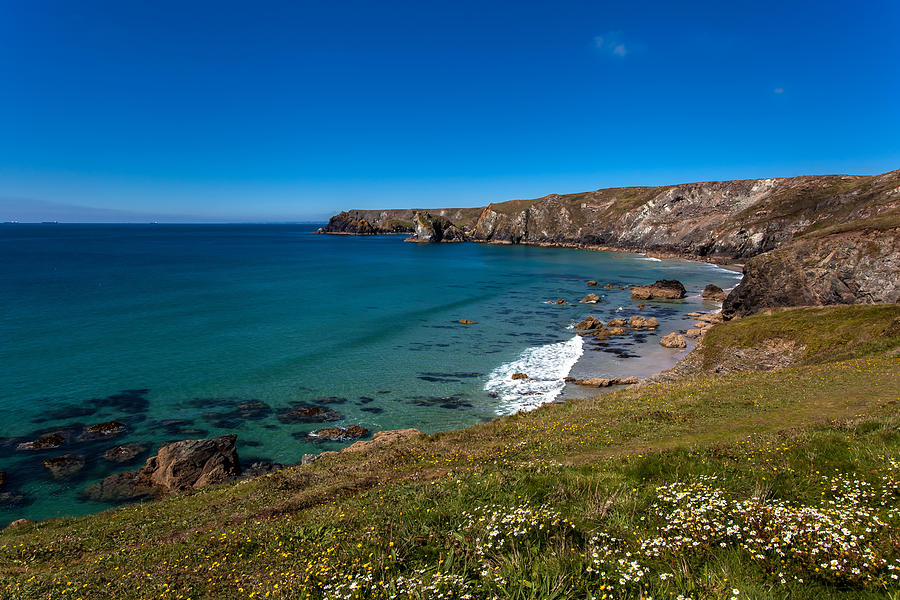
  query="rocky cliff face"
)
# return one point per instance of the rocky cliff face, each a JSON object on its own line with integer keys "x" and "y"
{"x": 788, "y": 224}
{"x": 861, "y": 266}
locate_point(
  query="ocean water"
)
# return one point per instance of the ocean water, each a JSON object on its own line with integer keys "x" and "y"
{"x": 171, "y": 328}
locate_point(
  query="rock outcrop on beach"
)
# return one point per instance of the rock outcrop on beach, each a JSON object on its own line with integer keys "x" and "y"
{"x": 805, "y": 217}
{"x": 664, "y": 289}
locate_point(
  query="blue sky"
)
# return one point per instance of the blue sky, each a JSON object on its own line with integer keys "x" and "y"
{"x": 296, "y": 110}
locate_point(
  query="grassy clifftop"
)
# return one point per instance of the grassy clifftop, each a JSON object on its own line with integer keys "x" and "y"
{"x": 749, "y": 485}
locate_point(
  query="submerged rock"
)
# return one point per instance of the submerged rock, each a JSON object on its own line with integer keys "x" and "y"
{"x": 103, "y": 430}
{"x": 308, "y": 414}
{"x": 45, "y": 442}
{"x": 466, "y": 322}
{"x": 592, "y": 283}
{"x": 2, "y": 479}
{"x": 124, "y": 453}
{"x": 673, "y": 340}
{"x": 664, "y": 289}
{"x": 65, "y": 466}
{"x": 558, "y": 301}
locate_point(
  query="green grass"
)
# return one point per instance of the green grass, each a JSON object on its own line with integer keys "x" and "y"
{"x": 828, "y": 333}
{"x": 568, "y": 490}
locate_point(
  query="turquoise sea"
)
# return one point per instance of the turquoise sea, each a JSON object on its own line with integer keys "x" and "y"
{"x": 168, "y": 328}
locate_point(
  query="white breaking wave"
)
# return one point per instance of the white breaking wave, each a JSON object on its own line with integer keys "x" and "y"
{"x": 651, "y": 258}
{"x": 546, "y": 366}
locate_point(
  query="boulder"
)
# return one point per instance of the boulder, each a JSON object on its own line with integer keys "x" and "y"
{"x": 193, "y": 464}
{"x": 308, "y": 414}
{"x": 637, "y": 322}
{"x": 382, "y": 438}
{"x": 592, "y": 283}
{"x": 466, "y": 322}
{"x": 558, "y": 301}
{"x": 65, "y": 466}
{"x": 178, "y": 466}
{"x": 629, "y": 381}
{"x": 2, "y": 479}
{"x": 338, "y": 434}
{"x": 693, "y": 333}
{"x": 664, "y": 289}
{"x": 616, "y": 331}
{"x": 590, "y": 323}
{"x": 713, "y": 293}
{"x": 617, "y": 322}
{"x": 519, "y": 376}
{"x": 591, "y": 298}
{"x": 124, "y": 453}
{"x": 652, "y": 323}
{"x": 673, "y": 340}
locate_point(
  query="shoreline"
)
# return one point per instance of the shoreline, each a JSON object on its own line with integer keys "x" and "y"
{"x": 724, "y": 261}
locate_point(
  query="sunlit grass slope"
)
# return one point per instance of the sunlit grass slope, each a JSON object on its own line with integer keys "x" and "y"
{"x": 780, "y": 484}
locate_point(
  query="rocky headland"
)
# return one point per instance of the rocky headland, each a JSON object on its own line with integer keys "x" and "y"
{"x": 812, "y": 240}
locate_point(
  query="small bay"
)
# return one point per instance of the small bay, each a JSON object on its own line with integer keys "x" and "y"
{"x": 187, "y": 331}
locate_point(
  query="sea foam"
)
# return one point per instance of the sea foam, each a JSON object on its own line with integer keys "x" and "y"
{"x": 546, "y": 366}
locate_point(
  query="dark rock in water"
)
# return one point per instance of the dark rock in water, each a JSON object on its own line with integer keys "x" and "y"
{"x": 329, "y": 400}
{"x": 124, "y": 453}
{"x": 65, "y": 466}
{"x": 664, "y": 289}
{"x": 372, "y": 409}
{"x": 365, "y": 399}
{"x": 714, "y": 293}
{"x": 45, "y": 442}
{"x": 2, "y": 479}
{"x": 241, "y": 412}
{"x": 103, "y": 430}
{"x": 178, "y": 466}
{"x": 307, "y": 414}
{"x": 64, "y": 413}
{"x": 338, "y": 434}
{"x": 261, "y": 468}
{"x": 127, "y": 401}
{"x": 520, "y": 376}
{"x": 250, "y": 443}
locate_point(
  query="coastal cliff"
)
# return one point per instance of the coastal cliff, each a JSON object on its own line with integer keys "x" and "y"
{"x": 812, "y": 240}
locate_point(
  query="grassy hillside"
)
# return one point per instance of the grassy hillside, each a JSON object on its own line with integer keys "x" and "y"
{"x": 752, "y": 485}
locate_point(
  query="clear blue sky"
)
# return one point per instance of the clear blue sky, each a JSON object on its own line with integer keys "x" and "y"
{"x": 295, "y": 110}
